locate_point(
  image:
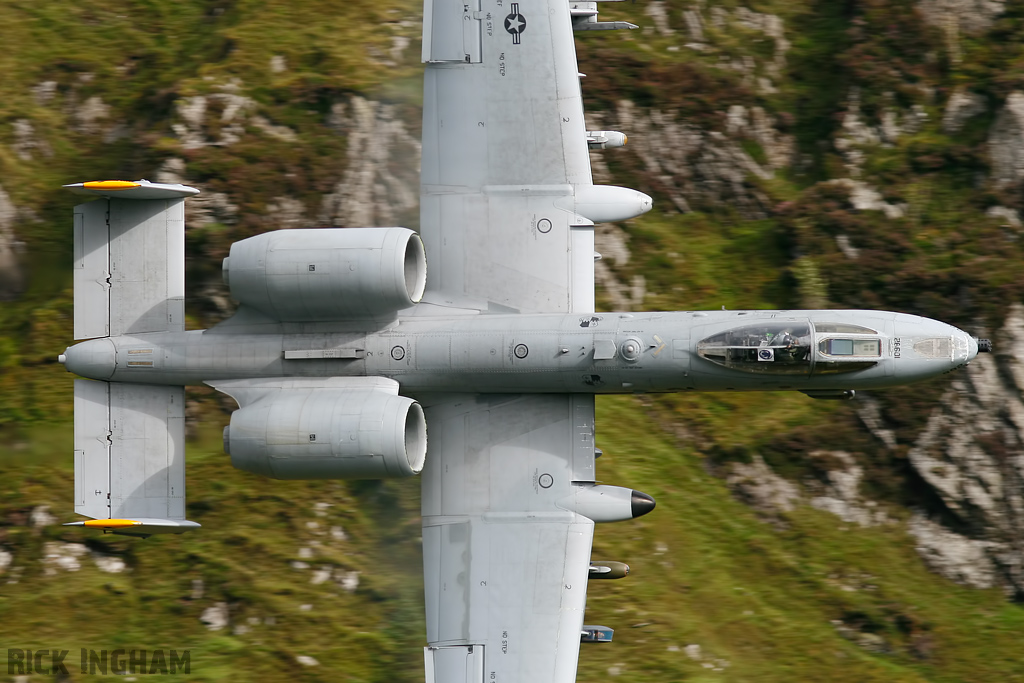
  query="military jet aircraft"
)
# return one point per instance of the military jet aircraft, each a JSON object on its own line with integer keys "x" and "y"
{"x": 346, "y": 351}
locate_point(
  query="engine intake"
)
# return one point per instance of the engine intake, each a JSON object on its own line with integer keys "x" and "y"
{"x": 310, "y": 429}
{"x": 328, "y": 274}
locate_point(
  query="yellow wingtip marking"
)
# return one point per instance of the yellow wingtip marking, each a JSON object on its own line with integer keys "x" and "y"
{"x": 110, "y": 185}
{"x": 111, "y": 523}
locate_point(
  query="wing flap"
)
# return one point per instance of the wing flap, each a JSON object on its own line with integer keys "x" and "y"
{"x": 451, "y": 31}
{"x": 147, "y": 451}
{"x": 91, "y": 271}
{"x": 147, "y": 265}
{"x": 458, "y": 664}
{"x": 92, "y": 448}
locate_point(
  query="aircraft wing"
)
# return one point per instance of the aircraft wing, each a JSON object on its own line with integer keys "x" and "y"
{"x": 507, "y": 212}
{"x": 504, "y": 149}
{"x": 505, "y": 563}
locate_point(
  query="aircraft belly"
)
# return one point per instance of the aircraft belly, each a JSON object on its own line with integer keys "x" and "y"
{"x": 432, "y": 353}
{"x": 481, "y": 351}
{"x": 571, "y": 353}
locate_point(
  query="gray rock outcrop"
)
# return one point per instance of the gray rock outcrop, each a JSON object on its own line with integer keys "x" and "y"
{"x": 863, "y": 197}
{"x": 204, "y": 208}
{"x": 968, "y": 16}
{"x": 971, "y": 453}
{"x": 692, "y": 165}
{"x": 11, "y": 277}
{"x": 839, "y": 493}
{"x": 963, "y": 560}
{"x": 758, "y": 486}
{"x": 962, "y": 105}
{"x": 216, "y": 616}
{"x": 380, "y": 181}
{"x": 1006, "y": 141}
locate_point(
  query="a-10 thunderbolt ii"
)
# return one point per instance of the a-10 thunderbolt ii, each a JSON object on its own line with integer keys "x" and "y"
{"x": 346, "y": 352}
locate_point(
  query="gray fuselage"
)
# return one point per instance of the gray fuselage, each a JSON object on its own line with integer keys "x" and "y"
{"x": 565, "y": 353}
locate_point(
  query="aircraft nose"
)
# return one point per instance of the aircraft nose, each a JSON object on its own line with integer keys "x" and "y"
{"x": 924, "y": 345}
{"x": 645, "y": 202}
{"x": 972, "y": 347}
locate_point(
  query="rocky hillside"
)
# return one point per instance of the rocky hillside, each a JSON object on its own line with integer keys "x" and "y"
{"x": 801, "y": 153}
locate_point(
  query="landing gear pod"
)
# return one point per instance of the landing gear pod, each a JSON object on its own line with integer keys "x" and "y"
{"x": 607, "y": 203}
{"x": 607, "y": 503}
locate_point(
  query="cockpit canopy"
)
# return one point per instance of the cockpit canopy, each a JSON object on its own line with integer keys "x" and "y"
{"x": 792, "y": 347}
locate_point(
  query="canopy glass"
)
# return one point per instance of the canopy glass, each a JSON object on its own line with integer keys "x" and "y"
{"x": 788, "y": 348}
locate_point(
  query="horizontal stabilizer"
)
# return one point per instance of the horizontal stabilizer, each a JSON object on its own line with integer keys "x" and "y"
{"x": 129, "y": 258}
{"x": 130, "y": 457}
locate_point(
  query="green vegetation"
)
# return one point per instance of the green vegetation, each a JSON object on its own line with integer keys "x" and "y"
{"x": 766, "y": 599}
{"x": 774, "y": 602}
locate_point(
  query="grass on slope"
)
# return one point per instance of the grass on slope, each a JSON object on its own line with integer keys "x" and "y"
{"x": 765, "y": 600}
{"x": 698, "y": 262}
{"x": 763, "y": 603}
{"x": 253, "y": 531}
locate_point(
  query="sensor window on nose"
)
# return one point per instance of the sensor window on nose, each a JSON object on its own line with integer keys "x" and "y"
{"x": 937, "y": 347}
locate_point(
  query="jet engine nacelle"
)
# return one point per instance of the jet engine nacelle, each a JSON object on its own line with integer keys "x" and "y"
{"x": 328, "y": 274}
{"x": 325, "y": 433}
{"x": 603, "y": 139}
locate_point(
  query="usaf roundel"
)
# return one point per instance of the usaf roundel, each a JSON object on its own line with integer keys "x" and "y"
{"x": 515, "y": 23}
